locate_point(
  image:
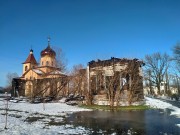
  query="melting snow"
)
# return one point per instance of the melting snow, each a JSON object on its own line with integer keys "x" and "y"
{"x": 19, "y": 112}
{"x": 38, "y": 71}
{"x": 156, "y": 103}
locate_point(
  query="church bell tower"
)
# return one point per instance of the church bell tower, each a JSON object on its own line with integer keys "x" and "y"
{"x": 48, "y": 56}
{"x": 30, "y": 62}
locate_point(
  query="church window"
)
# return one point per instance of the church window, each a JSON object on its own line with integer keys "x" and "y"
{"x": 26, "y": 67}
{"x": 42, "y": 63}
{"x": 30, "y": 87}
{"x": 47, "y": 63}
{"x": 52, "y": 63}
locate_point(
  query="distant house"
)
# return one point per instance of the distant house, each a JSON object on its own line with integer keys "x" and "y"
{"x": 43, "y": 79}
{"x": 163, "y": 91}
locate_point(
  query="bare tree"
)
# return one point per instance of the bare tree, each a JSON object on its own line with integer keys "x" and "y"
{"x": 157, "y": 64}
{"x": 135, "y": 78}
{"x": 53, "y": 86}
{"x": 61, "y": 61}
{"x": 112, "y": 88}
{"x": 148, "y": 81}
{"x": 116, "y": 80}
{"x": 10, "y": 77}
{"x": 176, "y": 57}
{"x": 78, "y": 79}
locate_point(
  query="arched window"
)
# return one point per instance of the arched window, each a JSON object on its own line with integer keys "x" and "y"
{"x": 47, "y": 63}
{"x": 42, "y": 63}
{"x": 52, "y": 63}
{"x": 26, "y": 67}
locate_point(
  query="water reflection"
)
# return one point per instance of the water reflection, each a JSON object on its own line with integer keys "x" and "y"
{"x": 150, "y": 122}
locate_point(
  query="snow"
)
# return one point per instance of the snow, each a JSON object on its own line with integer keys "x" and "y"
{"x": 63, "y": 100}
{"x": 21, "y": 116}
{"x": 57, "y": 73}
{"x": 156, "y": 103}
{"x": 38, "y": 71}
{"x": 50, "y": 108}
{"x": 19, "y": 113}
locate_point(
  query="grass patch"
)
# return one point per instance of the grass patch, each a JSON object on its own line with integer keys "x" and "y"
{"x": 15, "y": 115}
{"x": 54, "y": 123}
{"x": 118, "y": 108}
{"x": 33, "y": 119}
{"x": 13, "y": 110}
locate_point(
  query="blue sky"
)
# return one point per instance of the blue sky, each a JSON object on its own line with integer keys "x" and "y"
{"x": 86, "y": 29}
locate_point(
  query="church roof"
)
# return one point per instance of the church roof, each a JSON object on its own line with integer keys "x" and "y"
{"x": 48, "y": 51}
{"x": 57, "y": 72}
{"x": 31, "y": 58}
{"x": 37, "y": 71}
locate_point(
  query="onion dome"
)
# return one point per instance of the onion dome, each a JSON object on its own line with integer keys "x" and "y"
{"x": 48, "y": 50}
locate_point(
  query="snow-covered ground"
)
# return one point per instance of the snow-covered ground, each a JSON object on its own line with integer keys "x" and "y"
{"x": 156, "y": 103}
{"x": 37, "y": 119}
{"x": 40, "y": 119}
{"x": 46, "y": 108}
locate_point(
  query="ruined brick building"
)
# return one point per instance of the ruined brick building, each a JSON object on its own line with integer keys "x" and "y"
{"x": 118, "y": 80}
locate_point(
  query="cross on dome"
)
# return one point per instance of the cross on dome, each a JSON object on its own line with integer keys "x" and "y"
{"x": 48, "y": 50}
{"x": 49, "y": 40}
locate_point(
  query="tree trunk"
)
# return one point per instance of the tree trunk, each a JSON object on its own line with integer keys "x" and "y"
{"x": 159, "y": 89}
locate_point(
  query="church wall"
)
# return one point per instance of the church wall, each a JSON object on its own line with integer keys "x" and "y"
{"x": 47, "y": 61}
{"x": 26, "y": 67}
{"x": 28, "y": 88}
{"x": 46, "y": 69}
{"x": 31, "y": 75}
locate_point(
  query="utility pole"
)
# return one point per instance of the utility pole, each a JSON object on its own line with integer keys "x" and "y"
{"x": 150, "y": 82}
{"x": 89, "y": 101}
{"x": 6, "y": 110}
{"x": 44, "y": 104}
{"x": 88, "y": 78}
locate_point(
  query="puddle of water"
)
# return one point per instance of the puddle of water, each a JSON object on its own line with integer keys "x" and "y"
{"x": 149, "y": 122}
